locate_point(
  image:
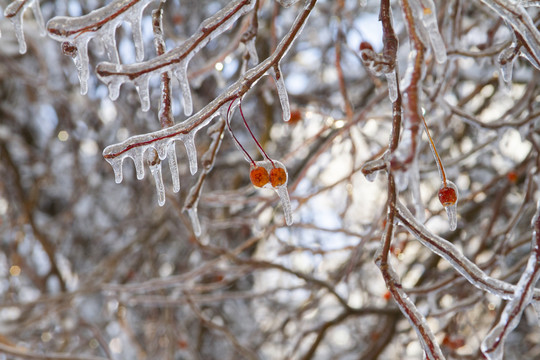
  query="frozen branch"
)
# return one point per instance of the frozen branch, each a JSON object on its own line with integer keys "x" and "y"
{"x": 75, "y": 32}
{"x": 175, "y": 60}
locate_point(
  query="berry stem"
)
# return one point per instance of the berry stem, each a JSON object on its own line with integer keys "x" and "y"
{"x": 437, "y": 157}
{"x": 253, "y": 136}
{"x": 227, "y": 120}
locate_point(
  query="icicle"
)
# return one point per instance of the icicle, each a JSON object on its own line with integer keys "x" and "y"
{"x": 516, "y": 15}
{"x": 36, "y": 9}
{"x": 449, "y": 196}
{"x": 177, "y": 59}
{"x": 392, "y": 85}
{"x": 252, "y": 51}
{"x": 430, "y": 22}
{"x": 116, "y": 164}
{"x": 189, "y": 143}
{"x": 81, "y": 62}
{"x": 193, "y": 215}
{"x": 134, "y": 18}
{"x": 285, "y": 204}
{"x": 451, "y": 211}
{"x": 161, "y": 141}
{"x": 155, "y": 169}
{"x": 15, "y": 13}
{"x": 506, "y": 62}
{"x": 79, "y": 31}
{"x": 141, "y": 84}
{"x": 173, "y": 166}
{"x": 109, "y": 41}
{"x": 282, "y": 92}
{"x": 138, "y": 160}
{"x": 181, "y": 75}
{"x": 371, "y": 176}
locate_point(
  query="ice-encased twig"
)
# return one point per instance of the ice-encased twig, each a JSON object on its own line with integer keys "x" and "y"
{"x": 493, "y": 344}
{"x": 207, "y": 159}
{"x": 165, "y": 113}
{"x": 161, "y": 140}
{"x": 100, "y": 23}
{"x": 459, "y": 262}
{"x": 177, "y": 59}
{"x": 516, "y": 15}
{"x": 427, "y": 339}
{"x": 15, "y": 12}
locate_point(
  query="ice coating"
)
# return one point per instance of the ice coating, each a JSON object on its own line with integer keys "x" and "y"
{"x": 141, "y": 84}
{"x": 493, "y": 344}
{"x": 280, "y": 190}
{"x": 391, "y": 79}
{"x": 516, "y": 15}
{"x": 181, "y": 75}
{"x": 451, "y": 211}
{"x": 282, "y": 93}
{"x": 173, "y": 166}
{"x": 252, "y": 51}
{"x": 429, "y": 20}
{"x": 177, "y": 59}
{"x": 410, "y": 311}
{"x": 155, "y": 170}
{"x": 449, "y": 196}
{"x": 80, "y": 30}
{"x": 506, "y": 62}
{"x": 114, "y": 154}
{"x": 15, "y": 12}
{"x": 163, "y": 142}
{"x": 194, "y": 217}
{"x": 454, "y": 256}
{"x": 189, "y": 143}
{"x": 287, "y": 3}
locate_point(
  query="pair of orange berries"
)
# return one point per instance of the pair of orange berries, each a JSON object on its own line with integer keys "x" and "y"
{"x": 259, "y": 176}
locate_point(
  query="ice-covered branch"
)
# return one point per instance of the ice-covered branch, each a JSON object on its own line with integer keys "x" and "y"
{"x": 15, "y": 12}
{"x": 100, "y": 23}
{"x": 175, "y": 60}
{"x": 393, "y": 284}
{"x": 493, "y": 344}
{"x": 455, "y": 257}
{"x": 163, "y": 140}
{"x": 516, "y": 15}
{"x": 165, "y": 109}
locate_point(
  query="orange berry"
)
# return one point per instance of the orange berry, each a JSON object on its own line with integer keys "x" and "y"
{"x": 258, "y": 176}
{"x": 512, "y": 177}
{"x": 387, "y": 295}
{"x": 296, "y": 116}
{"x": 278, "y": 177}
{"x": 447, "y": 196}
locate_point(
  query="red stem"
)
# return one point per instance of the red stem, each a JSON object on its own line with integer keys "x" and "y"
{"x": 232, "y": 133}
{"x": 253, "y": 136}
